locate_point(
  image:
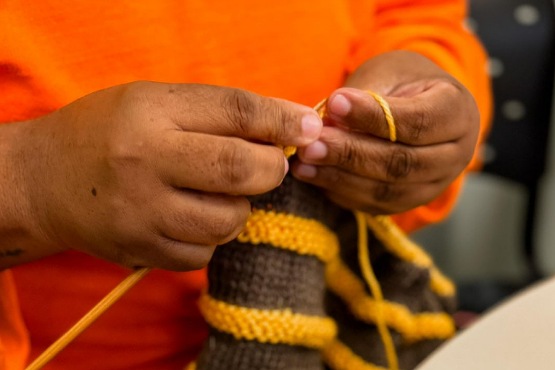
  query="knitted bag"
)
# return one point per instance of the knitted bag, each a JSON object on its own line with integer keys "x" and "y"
{"x": 288, "y": 293}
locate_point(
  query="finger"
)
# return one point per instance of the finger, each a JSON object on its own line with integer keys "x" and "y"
{"x": 187, "y": 227}
{"x": 145, "y": 248}
{"x": 374, "y": 208}
{"x": 180, "y": 256}
{"x": 200, "y": 218}
{"x": 355, "y": 192}
{"x": 382, "y": 160}
{"x": 219, "y": 164}
{"x": 442, "y": 112}
{"x": 163, "y": 253}
{"x": 236, "y": 112}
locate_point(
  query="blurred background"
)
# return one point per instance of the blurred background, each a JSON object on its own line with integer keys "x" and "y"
{"x": 501, "y": 236}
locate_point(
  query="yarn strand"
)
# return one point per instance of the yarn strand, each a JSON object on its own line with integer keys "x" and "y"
{"x": 374, "y": 285}
{"x": 91, "y": 316}
{"x": 387, "y": 113}
{"x": 364, "y": 254}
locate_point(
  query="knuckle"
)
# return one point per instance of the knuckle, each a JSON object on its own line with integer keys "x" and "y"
{"x": 420, "y": 125}
{"x": 348, "y": 157}
{"x": 450, "y": 86}
{"x": 239, "y": 109}
{"x": 124, "y": 156}
{"x": 281, "y": 119}
{"x": 227, "y": 226}
{"x": 134, "y": 92}
{"x": 384, "y": 192}
{"x": 234, "y": 162}
{"x": 391, "y": 199}
{"x": 137, "y": 107}
{"x": 400, "y": 164}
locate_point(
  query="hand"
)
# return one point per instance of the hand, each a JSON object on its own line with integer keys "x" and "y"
{"x": 358, "y": 167}
{"x": 150, "y": 174}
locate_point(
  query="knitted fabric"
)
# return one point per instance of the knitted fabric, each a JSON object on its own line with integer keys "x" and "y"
{"x": 288, "y": 294}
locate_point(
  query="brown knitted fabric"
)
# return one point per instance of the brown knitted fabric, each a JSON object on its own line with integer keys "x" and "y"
{"x": 401, "y": 282}
{"x": 268, "y": 278}
{"x": 264, "y": 277}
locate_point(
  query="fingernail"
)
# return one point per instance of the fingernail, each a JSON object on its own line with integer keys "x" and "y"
{"x": 311, "y": 126}
{"x": 316, "y": 150}
{"x": 339, "y": 105}
{"x": 306, "y": 170}
{"x": 286, "y": 166}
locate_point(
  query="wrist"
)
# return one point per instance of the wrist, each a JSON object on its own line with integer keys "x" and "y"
{"x": 21, "y": 237}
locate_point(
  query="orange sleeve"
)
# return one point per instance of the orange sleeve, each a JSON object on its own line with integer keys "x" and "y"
{"x": 14, "y": 341}
{"x": 435, "y": 29}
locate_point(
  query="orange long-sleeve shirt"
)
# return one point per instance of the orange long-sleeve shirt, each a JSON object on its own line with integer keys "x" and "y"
{"x": 52, "y": 52}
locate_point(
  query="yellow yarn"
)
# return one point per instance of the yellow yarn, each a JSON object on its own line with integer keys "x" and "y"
{"x": 364, "y": 257}
{"x": 370, "y": 278}
{"x": 101, "y": 307}
{"x": 321, "y": 107}
{"x": 268, "y": 326}
{"x": 397, "y": 243}
{"x": 289, "y": 151}
{"x": 340, "y": 357}
{"x": 413, "y": 327}
{"x": 287, "y": 231}
{"x": 387, "y": 113}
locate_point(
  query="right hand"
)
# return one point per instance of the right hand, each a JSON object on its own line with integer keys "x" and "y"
{"x": 151, "y": 174}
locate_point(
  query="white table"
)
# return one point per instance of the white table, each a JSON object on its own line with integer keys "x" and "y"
{"x": 518, "y": 334}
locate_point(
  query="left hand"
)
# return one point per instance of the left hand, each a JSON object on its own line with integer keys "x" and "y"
{"x": 354, "y": 162}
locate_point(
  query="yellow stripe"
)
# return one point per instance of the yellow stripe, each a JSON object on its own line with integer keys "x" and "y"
{"x": 340, "y": 357}
{"x": 268, "y": 326}
{"x": 413, "y": 327}
{"x": 191, "y": 366}
{"x": 287, "y": 231}
{"x": 397, "y": 243}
